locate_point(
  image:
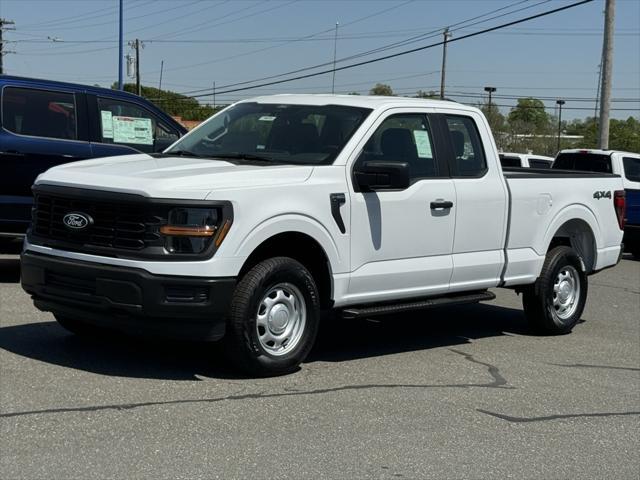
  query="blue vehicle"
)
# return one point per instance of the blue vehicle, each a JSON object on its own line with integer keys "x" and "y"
{"x": 625, "y": 164}
{"x": 46, "y": 123}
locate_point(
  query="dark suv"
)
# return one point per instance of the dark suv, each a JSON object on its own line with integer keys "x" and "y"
{"x": 46, "y": 123}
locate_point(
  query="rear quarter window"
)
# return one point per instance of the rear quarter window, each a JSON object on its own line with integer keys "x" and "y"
{"x": 631, "y": 168}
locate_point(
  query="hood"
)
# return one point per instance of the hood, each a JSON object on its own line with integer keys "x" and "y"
{"x": 170, "y": 177}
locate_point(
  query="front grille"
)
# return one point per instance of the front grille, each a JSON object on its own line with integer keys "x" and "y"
{"x": 117, "y": 226}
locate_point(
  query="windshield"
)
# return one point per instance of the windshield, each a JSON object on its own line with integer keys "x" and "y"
{"x": 590, "y": 162}
{"x": 279, "y": 133}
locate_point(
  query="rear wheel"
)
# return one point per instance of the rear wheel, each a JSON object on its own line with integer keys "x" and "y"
{"x": 273, "y": 319}
{"x": 553, "y": 305}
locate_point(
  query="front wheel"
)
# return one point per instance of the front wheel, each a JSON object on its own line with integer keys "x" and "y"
{"x": 553, "y": 305}
{"x": 273, "y": 319}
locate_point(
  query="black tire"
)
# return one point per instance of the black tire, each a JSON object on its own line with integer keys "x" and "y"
{"x": 80, "y": 328}
{"x": 538, "y": 299}
{"x": 243, "y": 346}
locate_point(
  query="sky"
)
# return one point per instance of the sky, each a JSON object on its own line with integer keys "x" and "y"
{"x": 199, "y": 42}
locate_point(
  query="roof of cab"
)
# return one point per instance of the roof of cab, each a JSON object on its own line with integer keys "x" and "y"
{"x": 56, "y": 83}
{"x": 120, "y": 94}
{"x": 363, "y": 101}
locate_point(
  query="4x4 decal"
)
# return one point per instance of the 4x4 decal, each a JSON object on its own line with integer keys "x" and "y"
{"x": 602, "y": 194}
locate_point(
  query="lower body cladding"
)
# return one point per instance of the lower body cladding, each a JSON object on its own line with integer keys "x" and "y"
{"x": 128, "y": 299}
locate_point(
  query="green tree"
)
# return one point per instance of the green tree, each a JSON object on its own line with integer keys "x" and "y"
{"x": 530, "y": 111}
{"x": 381, "y": 89}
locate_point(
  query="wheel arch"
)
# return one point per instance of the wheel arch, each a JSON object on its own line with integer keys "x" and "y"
{"x": 299, "y": 245}
{"x": 578, "y": 228}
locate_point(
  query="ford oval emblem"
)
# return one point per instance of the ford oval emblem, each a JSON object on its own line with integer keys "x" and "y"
{"x": 77, "y": 220}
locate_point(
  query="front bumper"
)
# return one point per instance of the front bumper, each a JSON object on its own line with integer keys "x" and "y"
{"x": 128, "y": 299}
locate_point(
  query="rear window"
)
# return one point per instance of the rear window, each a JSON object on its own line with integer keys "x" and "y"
{"x": 506, "y": 161}
{"x": 586, "y": 162}
{"x": 632, "y": 168}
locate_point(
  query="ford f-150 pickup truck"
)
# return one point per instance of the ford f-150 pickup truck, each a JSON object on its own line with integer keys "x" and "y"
{"x": 280, "y": 208}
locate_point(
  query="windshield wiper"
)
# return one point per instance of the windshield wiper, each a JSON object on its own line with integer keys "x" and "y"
{"x": 181, "y": 153}
{"x": 245, "y": 156}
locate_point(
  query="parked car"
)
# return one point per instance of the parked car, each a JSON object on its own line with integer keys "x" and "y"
{"x": 46, "y": 123}
{"x": 525, "y": 160}
{"x": 625, "y": 164}
{"x": 282, "y": 206}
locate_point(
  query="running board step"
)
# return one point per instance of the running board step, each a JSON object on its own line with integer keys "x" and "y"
{"x": 459, "y": 299}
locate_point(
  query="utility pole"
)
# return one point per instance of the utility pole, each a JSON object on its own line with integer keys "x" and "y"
{"x": 138, "y": 92}
{"x": 607, "y": 67}
{"x": 559, "y": 103}
{"x": 120, "y": 47}
{"x": 214, "y": 95}
{"x": 335, "y": 51}
{"x": 3, "y": 52}
{"x": 161, "y": 69}
{"x": 136, "y": 45}
{"x": 447, "y": 36}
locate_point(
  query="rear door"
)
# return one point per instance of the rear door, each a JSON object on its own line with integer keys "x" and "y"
{"x": 41, "y": 128}
{"x": 121, "y": 127}
{"x": 480, "y": 227}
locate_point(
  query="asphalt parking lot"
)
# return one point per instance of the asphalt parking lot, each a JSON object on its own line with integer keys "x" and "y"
{"x": 465, "y": 392}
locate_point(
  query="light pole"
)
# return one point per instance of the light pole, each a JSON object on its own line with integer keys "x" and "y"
{"x": 559, "y": 103}
{"x": 490, "y": 90}
{"x": 120, "y": 47}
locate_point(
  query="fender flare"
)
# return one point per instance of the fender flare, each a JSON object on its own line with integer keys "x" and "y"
{"x": 296, "y": 223}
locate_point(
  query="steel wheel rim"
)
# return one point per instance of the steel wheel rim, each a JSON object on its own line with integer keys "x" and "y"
{"x": 281, "y": 319}
{"x": 566, "y": 292}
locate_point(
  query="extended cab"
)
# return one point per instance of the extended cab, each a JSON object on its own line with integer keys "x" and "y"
{"x": 46, "y": 123}
{"x": 281, "y": 207}
{"x": 625, "y": 164}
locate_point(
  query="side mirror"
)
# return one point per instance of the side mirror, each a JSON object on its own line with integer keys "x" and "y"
{"x": 380, "y": 175}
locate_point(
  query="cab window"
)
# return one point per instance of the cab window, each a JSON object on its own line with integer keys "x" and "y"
{"x": 404, "y": 138}
{"x": 39, "y": 113}
{"x": 125, "y": 123}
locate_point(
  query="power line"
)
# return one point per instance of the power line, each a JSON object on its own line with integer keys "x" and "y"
{"x": 413, "y": 50}
{"x": 349, "y": 23}
{"x": 435, "y": 32}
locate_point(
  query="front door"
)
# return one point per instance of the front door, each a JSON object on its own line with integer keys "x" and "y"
{"x": 401, "y": 241}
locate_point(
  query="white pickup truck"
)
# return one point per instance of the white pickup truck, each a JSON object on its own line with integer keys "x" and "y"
{"x": 282, "y": 207}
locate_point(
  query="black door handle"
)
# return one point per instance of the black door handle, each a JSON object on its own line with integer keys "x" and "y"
{"x": 441, "y": 204}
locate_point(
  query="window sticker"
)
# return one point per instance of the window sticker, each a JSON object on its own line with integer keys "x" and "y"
{"x": 132, "y": 130}
{"x": 267, "y": 118}
{"x": 423, "y": 144}
{"x": 107, "y": 123}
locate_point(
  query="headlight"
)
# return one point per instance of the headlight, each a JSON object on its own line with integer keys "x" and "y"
{"x": 192, "y": 230}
